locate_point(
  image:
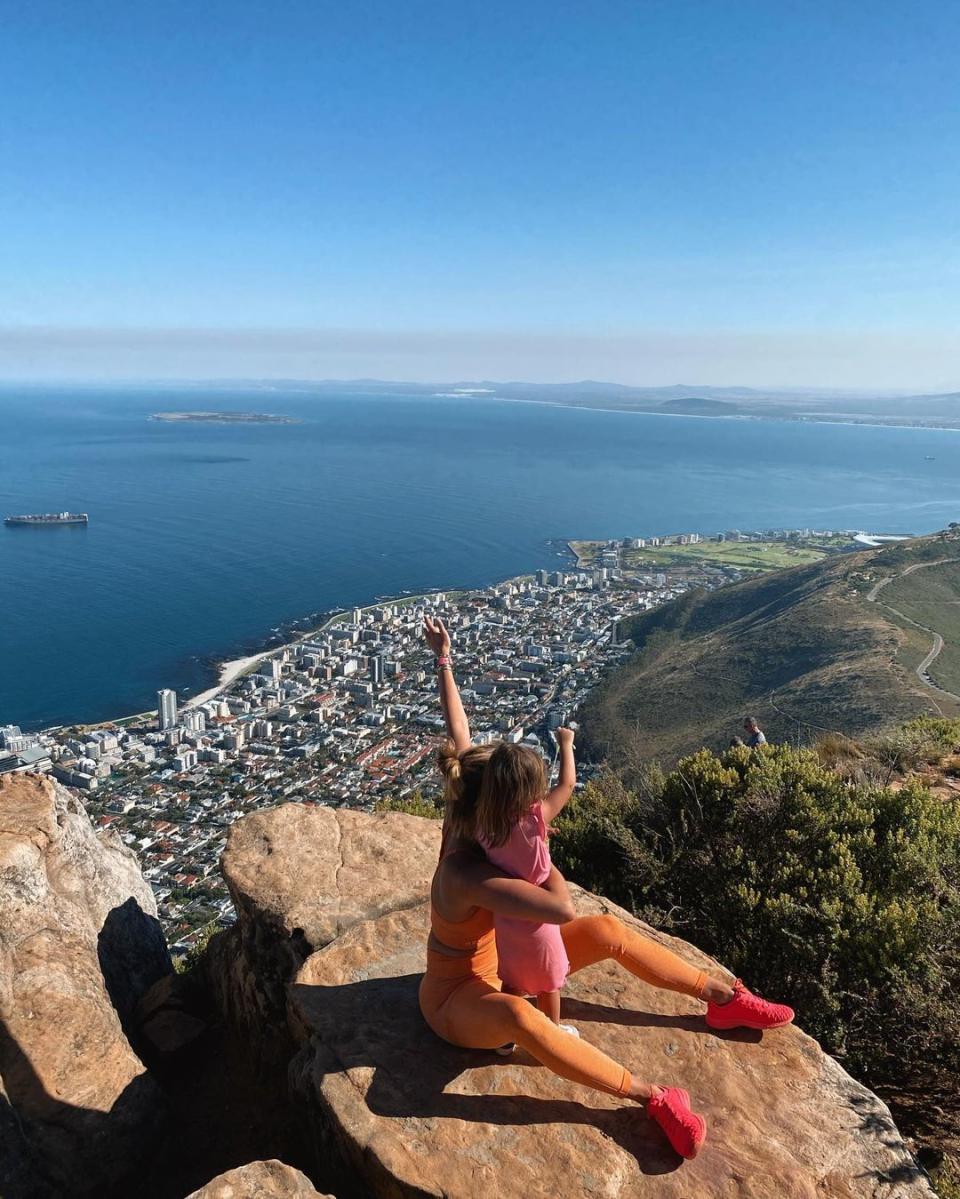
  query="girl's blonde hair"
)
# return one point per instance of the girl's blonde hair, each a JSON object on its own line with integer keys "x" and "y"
{"x": 488, "y": 788}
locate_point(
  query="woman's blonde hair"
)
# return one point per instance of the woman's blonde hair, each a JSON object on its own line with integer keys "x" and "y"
{"x": 487, "y": 788}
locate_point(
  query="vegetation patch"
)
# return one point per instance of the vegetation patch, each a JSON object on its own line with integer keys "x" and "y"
{"x": 737, "y": 555}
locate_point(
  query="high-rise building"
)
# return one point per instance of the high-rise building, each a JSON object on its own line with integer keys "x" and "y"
{"x": 376, "y": 668}
{"x": 167, "y": 708}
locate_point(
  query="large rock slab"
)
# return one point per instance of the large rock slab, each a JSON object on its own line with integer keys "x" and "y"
{"x": 260, "y": 1180}
{"x": 79, "y": 942}
{"x": 299, "y": 876}
{"x": 409, "y": 1115}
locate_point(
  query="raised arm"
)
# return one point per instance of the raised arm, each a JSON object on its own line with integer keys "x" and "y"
{"x": 458, "y": 727}
{"x": 556, "y": 799}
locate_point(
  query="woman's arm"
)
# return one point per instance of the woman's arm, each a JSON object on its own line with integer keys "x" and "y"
{"x": 556, "y": 799}
{"x": 458, "y": 727}
{"x": 481, "y": 885}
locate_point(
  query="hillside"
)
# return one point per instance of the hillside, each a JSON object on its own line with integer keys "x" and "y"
{"x": 836, "y": 645}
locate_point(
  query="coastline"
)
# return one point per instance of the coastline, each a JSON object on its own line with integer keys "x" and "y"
{"x": 229, "y": 672}
{"x": 735, "y": 416}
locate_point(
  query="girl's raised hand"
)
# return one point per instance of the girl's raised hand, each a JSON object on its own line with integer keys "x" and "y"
{"x": 437, "y": 637}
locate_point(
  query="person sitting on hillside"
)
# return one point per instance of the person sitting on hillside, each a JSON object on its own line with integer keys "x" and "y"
{"x": 461, "y": 995}
{"x": 754, "y": 733}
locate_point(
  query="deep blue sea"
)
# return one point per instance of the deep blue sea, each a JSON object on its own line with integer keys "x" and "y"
{"x": 205, "y": 538}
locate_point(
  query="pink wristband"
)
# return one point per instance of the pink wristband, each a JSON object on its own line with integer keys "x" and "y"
{"x": 444, "y": 660}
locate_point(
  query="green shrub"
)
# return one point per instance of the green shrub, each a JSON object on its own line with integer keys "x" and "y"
{"x": 946, "y": 1180}
{"x": 924, "y": 741}
{"x": 840, "y": 899}
{"x": 188, "y": 962}
{"x": 414, "y": 805}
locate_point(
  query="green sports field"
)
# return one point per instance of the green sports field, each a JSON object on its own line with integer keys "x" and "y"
{"x": 737, "y": 555}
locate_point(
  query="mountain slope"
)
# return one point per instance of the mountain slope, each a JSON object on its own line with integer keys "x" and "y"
{"x": 805, "y": 650}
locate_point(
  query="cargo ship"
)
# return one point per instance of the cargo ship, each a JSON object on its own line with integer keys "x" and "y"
{"x": 49, "y": 518}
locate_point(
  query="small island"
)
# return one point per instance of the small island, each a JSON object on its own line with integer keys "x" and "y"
{"x": 227, "y": 418}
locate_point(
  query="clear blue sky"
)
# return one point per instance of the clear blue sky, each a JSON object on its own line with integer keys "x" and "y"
{"x": 768, "y": 192}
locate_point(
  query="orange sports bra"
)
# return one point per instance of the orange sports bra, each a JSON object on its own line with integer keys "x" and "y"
{"x": 462, "y": 934}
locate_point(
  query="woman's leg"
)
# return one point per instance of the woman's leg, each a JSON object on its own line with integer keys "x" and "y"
{"x": 590, "y": 939}
{"x": 477, "y": 1016}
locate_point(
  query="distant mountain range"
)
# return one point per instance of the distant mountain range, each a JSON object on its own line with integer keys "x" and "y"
{"x": 940, "y": 410}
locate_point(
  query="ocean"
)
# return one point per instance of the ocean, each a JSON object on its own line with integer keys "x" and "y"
{"x": 204, "y": 540}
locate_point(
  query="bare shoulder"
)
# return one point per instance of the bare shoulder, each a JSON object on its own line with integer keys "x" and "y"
{"x": 454, "y": 881}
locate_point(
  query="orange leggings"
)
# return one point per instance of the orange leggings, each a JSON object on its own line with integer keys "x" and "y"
{"x": 462, "y": 1002}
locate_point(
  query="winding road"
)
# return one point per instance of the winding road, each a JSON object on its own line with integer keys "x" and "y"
{"x": 922, "y": 670}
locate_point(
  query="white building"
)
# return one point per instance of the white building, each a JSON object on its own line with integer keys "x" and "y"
{"x": 195, "y": 720}
{"x": 167, "y": 708}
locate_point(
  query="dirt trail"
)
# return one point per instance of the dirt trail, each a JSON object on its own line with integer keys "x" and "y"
{"x": 922, "y": 671}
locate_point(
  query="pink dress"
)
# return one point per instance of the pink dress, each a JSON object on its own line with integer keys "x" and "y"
{"x": 532, "y": 956}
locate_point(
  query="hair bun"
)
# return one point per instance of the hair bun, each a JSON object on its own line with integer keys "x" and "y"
{"x": 449, "y": 761}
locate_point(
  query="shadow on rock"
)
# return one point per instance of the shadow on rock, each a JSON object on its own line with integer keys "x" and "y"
{"x": 133, "y": 955}
{"x": 52, "y": 1148}
{"x": 377, "y": 1023}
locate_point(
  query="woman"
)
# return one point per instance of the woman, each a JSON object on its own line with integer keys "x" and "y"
{"x": 460, "y": 995}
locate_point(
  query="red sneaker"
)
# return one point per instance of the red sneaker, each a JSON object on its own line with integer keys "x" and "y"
{"x": 685, "y": 1130}
{"x": 746, "y": 1010}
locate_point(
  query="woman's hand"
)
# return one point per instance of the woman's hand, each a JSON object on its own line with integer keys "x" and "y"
{"x": 437, "y": 637}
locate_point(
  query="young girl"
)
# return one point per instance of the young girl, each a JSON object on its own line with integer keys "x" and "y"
{"x": 513, "y": 813}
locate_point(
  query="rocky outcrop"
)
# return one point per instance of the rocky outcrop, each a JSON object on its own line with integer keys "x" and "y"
{"x": 299, "y": 876}
{"x": 260, "y": 1180}
{"x": 409, "y": 1115}
{"x": 79, "y": 944}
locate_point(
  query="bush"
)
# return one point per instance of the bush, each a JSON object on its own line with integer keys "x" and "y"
{"x": 188, "y": 962}
{"x": 946, "y": 1180}
{"x": 922, "y": 742}
{"x": 414, "y": 805}
{"x": 840, "y": 899}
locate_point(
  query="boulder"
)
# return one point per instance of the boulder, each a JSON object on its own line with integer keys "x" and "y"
{"x": 260, "y": 1180}
{"x": 79, "y": 942}
{"x": 299, "y": 876}
{"x": 407, "y": 1114}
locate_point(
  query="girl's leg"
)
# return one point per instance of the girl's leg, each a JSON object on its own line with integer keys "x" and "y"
{"x": 549, "y": 1003}
{"x": 590, "y": 939}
